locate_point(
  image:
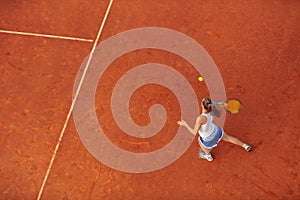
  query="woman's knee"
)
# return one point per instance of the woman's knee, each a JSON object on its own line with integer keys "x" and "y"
{"x": 226, "y": 137}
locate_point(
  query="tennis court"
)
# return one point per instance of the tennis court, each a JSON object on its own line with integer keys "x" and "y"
{"x": 43, "y": 45}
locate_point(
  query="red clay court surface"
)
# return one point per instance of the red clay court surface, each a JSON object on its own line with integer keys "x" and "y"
{"x": 255, "y": 45}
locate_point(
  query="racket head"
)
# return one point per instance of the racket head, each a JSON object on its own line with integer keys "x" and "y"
{"x": 233, "y": 105}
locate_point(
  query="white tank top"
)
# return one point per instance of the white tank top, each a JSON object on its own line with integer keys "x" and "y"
{"x": 209, "y": 130}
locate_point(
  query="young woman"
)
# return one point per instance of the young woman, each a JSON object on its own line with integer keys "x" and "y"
{"x": 209, "y": 133}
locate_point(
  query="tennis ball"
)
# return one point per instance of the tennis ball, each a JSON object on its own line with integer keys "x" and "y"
{"x": 200, "y": 78}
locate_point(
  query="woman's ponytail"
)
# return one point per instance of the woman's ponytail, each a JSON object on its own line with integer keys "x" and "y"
{"x": 207, "y": 104}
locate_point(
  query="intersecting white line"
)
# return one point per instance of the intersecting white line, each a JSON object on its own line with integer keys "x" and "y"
{"x": 46, "y": 35}
{"x": 74, "y": 100}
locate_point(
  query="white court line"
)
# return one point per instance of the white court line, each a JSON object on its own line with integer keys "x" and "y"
{"x": 74, "y": 100}
{"x": 46, "y": 35}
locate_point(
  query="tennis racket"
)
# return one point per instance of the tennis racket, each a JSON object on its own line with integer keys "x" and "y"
{"x": 231, "y": 105}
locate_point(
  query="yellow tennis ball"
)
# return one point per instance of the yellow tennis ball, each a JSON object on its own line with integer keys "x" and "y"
{"x": 200, "y": 78}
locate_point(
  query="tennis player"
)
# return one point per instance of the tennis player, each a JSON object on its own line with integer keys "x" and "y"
{"x": 209, "y": 133}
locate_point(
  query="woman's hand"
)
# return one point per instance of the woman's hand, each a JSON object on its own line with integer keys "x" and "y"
{"x": 182, "y": 123}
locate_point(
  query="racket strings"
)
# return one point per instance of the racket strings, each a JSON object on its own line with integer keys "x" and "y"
{"x": 233, "y": 106}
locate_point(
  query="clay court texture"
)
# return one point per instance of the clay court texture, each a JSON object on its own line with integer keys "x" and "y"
{"x": 44, "y": 49}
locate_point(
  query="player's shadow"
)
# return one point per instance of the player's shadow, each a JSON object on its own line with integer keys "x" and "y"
{"x": 216, "y": 111}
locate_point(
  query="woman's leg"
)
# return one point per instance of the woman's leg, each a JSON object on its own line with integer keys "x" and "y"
{"x": 206, "y": 151}
{"x": 206, "y": 154}
{"x": 233, "y": 140}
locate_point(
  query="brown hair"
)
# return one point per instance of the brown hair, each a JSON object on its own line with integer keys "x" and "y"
{"x": 207, "y": 104}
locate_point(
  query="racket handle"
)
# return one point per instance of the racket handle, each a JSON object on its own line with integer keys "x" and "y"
{"x": 217, "y": 103}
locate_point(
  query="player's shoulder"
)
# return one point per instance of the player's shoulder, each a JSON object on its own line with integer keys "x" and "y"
{"x": 201, "y": 118}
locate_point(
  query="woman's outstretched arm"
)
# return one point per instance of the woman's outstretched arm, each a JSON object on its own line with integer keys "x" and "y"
{"x": 196, "y": 128}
